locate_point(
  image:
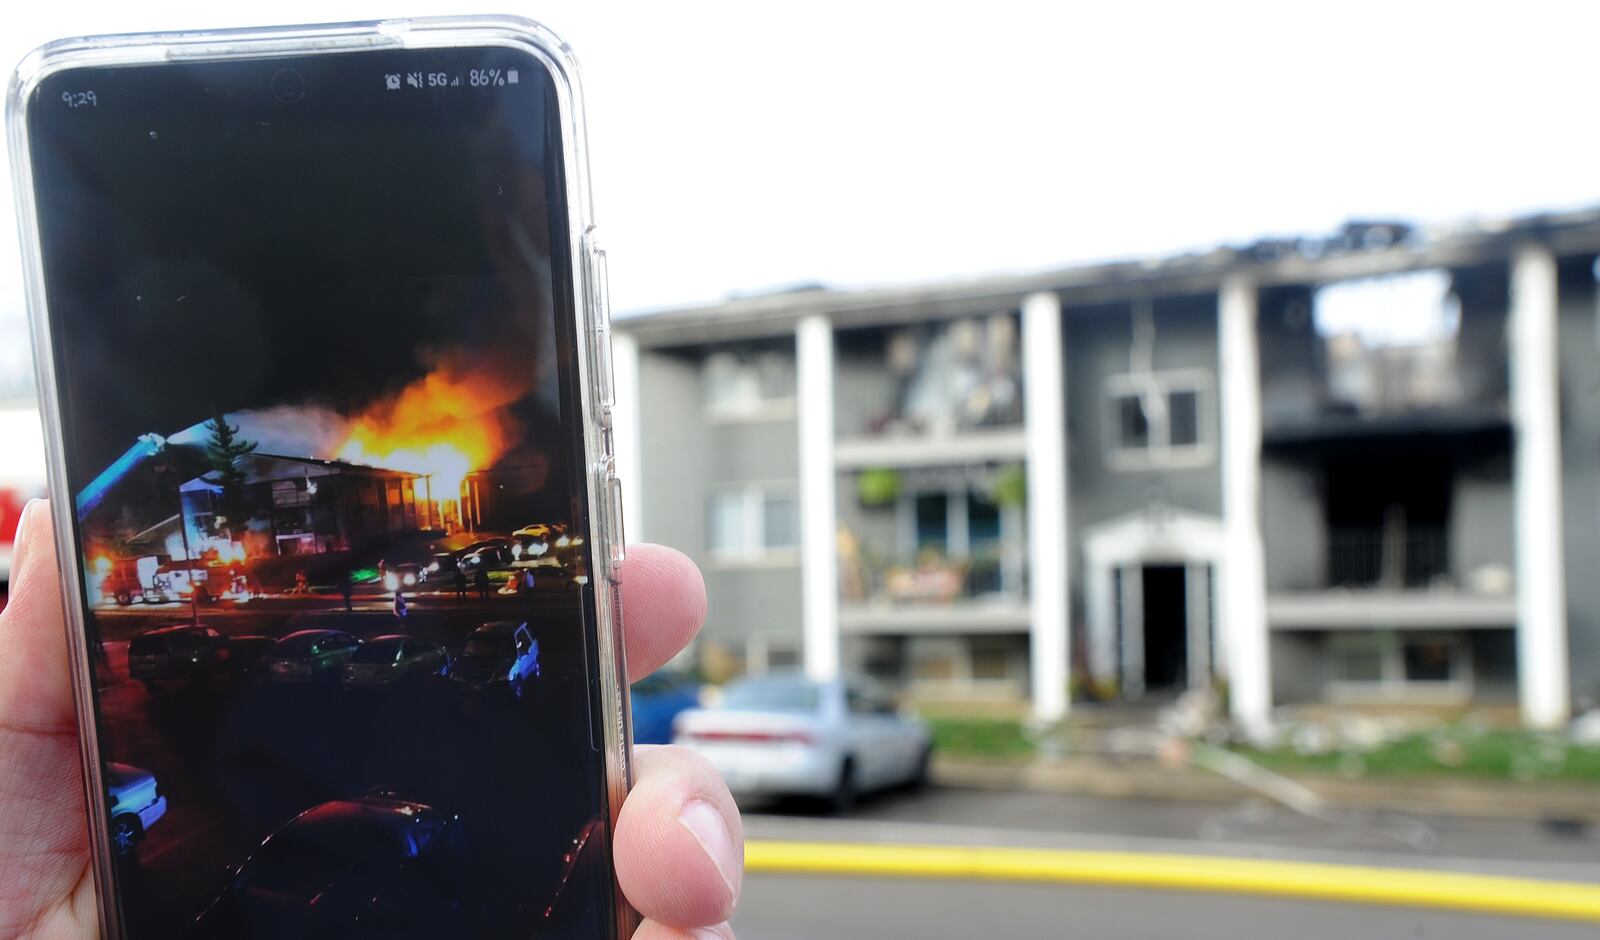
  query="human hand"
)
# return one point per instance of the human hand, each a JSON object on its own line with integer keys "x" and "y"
{"x": 679, "y": 844}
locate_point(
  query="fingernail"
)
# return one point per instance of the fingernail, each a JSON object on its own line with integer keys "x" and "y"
{"x": 711, "y": 831}
{"x": 706, "y": 933}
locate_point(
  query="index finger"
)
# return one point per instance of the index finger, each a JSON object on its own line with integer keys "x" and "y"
{"x": 663, "y": 606}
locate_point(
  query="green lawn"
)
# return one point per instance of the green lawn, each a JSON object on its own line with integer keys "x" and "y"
{"x": 980, "y": 737}
{"x": 1452, "y": 751}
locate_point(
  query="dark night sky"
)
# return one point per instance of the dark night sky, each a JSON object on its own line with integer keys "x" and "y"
{"x": 210, "y": 248}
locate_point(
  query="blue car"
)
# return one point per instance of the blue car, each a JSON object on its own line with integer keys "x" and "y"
{"x": 502, "y": 654}
{"x": 136, "y": 804}
{"x": 657, "y": 700}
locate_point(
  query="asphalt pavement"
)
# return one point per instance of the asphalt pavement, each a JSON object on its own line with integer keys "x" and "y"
{"x": 790, "y": 907}
{"x": 1245, "y": 829}
{"x": 774, "y": 907}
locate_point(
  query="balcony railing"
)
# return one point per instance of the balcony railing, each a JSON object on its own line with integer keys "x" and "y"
{"x": 1396, "y": 557}
{"x": 930, "y": 579}
{"x": 933, "y": 380}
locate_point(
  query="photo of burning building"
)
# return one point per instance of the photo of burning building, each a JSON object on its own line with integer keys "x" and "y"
{"x": 330, "y": 516}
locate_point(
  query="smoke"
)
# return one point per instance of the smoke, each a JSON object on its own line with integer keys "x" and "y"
{"x": 287, "y": 430}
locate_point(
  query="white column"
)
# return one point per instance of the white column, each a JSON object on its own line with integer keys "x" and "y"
{"x": 1542, "y": 676}
{"x": 819, "y": 546}
{"x": 1243, "y": 580}
{"x": 1045, "y": 404}
{"x": 627, "y": 447}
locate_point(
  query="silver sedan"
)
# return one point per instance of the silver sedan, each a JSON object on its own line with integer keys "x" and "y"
{"x": 785, "y": 734}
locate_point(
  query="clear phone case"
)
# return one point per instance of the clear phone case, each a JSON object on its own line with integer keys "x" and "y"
{"x": 592, "y": 330}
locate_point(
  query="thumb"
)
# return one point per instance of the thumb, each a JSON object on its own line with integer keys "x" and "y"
{"x": 35, "y": 678}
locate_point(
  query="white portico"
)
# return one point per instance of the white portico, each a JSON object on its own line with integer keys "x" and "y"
{"x": 1149, "y": 582}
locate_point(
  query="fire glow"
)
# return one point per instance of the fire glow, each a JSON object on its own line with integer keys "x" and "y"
{"x": 445, "y": 425}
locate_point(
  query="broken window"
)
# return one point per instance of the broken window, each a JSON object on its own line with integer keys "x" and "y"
{"x": 1157, "y": 418}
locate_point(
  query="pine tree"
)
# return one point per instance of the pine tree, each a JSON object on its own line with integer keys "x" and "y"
{"x": 222, "y": 453}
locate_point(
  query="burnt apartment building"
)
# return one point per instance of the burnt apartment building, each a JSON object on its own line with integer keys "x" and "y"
{"x": 1359, "y": 469}
{"x": 304, "y": 506}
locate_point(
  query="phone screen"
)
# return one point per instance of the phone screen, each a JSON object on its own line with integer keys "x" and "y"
{"x": 314, "y": 338}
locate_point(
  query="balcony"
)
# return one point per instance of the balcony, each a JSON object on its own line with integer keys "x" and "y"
{"x": 1396, "y": 577}
{"x": 929, "y": 394}
{"x": 1388, "y": 558}
{"x": 936, "y": 552}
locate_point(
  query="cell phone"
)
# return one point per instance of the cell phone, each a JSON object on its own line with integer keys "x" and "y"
{"x": 321, "y": 333}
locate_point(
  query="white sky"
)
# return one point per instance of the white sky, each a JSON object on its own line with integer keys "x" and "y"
{"x": 744, "y": 146}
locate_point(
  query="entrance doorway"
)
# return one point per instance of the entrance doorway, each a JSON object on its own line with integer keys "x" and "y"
{"x": 1150, "y": 600}
{"x": 1166, "y": 627}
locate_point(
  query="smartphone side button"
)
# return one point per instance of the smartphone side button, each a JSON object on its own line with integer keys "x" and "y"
{"x": 616, "y": 533}
{"x": 600, "y": 299}
{"x": 599, "y": 283}
{"x": 604, "y": 374}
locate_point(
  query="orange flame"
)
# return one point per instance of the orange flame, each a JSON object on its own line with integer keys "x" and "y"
{"x": 444, "y": 425}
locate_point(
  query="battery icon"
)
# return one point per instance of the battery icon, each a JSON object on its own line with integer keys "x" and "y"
{"x": 511, "y": 76}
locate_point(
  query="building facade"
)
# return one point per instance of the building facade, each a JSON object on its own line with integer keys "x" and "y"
{"x": 1356, "y": 469}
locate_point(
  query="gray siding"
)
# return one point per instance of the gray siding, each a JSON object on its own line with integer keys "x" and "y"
{"x": 1098, "y": 342}
{"x": 863, "y": 389}
{"x": 761, "y": 451}
{"x": 742, "y": 601}
{"x": 1294, "y": 528}
{"x": 1481, "y": 527}
{"x": 1292, "y": 360}
{"x": 687, "y": 456}
{"x": 1483, "y": 360}
{"x": 675, "y": 444}
{"x": 1580, "y": 454}
{"x": 1297, "y": 673}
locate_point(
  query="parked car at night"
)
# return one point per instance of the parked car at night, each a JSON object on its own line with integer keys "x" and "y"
{"x": 406, "y": 553}
{"x": 530, "y": 542}
{"x": 311, "y": 655}
{"x": 658, "y": 699}
{"x": 387, "y": 661}
{"x": 442, "y": 566}
{"x": 404, "y": 577}
{"x": 181, "y": 653}
{"x": 500, "y": 654}
{"x": 489, "y": 553}
{"x": 135, "y": 802}
{"x": 533, "y": 542}
{"x": 785, "y": 734}
{"x": 373, "y": 867}
{"x": 544, "y": 531}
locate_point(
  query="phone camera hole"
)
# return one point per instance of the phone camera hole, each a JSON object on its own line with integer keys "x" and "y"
{"x": 288, "y": 85}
